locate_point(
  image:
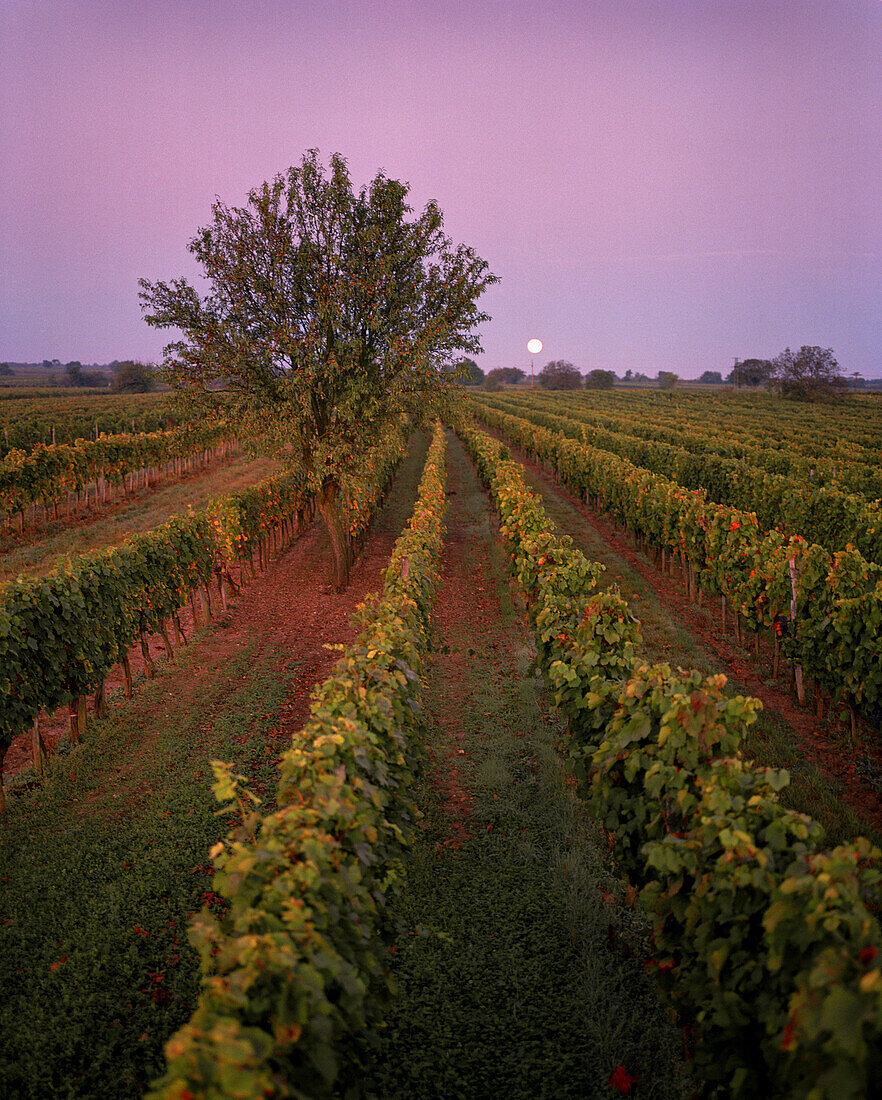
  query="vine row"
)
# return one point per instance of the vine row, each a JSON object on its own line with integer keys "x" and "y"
{"x": 787, "y": 502}
{"x": 61, "y": 635}
{"x": 294, "y": 970}
{"x": 767, "y": 944}
{"x": 824, "y": 610}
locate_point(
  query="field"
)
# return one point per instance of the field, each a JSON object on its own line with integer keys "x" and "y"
{"x": 572, "y": 807}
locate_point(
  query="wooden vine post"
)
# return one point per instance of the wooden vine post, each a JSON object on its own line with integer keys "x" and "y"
{"x": 99, "y": 705}
{"x": 39, "y": 748}
{"x": 127, "y": 676}
{"x": 797, "y": 668}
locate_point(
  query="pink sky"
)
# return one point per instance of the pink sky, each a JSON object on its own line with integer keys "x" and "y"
{"x": 659, "y": 184}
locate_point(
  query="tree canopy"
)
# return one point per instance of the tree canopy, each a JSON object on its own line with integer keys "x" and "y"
{"x": 560, "y": 375}
{"x": 131, "y": 376}
{"x": 329, "y": 313}
{"x": 467, "y": 372}
{"x": 810, "y": 374}
{"x": 751, "y": 372}
{"x": 600, "y": 380}
{"x": 507, "y": 375}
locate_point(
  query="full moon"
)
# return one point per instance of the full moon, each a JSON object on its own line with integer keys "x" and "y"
{"x": 534, "y": 346}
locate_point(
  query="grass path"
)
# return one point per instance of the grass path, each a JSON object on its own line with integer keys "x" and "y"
{"x": 39, "y": 554}
{"x": 518, "y": 959}
{"x": 101, "y": 867}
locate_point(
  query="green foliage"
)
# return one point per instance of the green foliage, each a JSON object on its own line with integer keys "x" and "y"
{"x": 132, "y": 376}
{"x": 751, "y": 372}
{"x": 559, "y": 375}
{"x": 294, "y": 967}
{"x": 600, "y": 380}
{"x": 46, "y": 473}
{"x": 30, "y": 417}
{"x": 667, "y": 380}
{"x": 765, "y": 943}
{"x": 810, "y": 374}
{"x": 467, "y": 373}
{"x": 839, "y": 597}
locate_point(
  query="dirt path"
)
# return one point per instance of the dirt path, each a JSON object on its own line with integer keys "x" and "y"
{"x": 514, "y": 978}
{"x": 687, "y": 633}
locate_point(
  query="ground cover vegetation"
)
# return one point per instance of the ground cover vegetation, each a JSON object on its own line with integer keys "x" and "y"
{"x": 515, "y": 948}
{"x": 329, "y": 315}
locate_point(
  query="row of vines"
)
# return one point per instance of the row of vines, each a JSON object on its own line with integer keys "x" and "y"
{"x": 824, "y": 609}
{"x": 767, "y": 945}
{"x": 45, "y": 417}
{"x": 45, "y": 475}
{"x": 833, "y": 517}
{"x": 60, "y": 635}
{"x": 294, "y": 970}
{"x": 786, "y": 436}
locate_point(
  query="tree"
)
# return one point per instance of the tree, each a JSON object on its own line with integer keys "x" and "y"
{"x": 6, "y": 370}
{"x": 711, "y": 378}
{"x": 560, "y": 375}
{"x": 73, "y": 374}
{"x": 750, "y": 372}
{"x": 667, "y": 380}
{"x": 467, "y": 373}
{"x": 131, "y": 376}
{"x": 600, "y": 380}
{"x": 329, "y": 314}
{"x": 811, "y": 374}
{"x": 507, "y": 375}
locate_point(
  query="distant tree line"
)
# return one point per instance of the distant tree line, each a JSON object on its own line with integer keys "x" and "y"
{"x": 812, "y": 373}
{"x": 119, "y": 376}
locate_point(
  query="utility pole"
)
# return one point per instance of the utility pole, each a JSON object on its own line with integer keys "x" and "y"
{"x": 533, "y": 347}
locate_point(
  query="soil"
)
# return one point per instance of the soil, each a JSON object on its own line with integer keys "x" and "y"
{"x": 822, "y": 739}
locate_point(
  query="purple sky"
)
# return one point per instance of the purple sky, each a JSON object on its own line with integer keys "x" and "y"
{"x": 659, "y": 184}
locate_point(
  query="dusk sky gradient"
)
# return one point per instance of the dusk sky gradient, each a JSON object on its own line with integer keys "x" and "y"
{"x": 659, "y": 184}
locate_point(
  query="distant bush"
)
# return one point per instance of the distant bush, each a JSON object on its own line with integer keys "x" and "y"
{"x": 560, "y": 375}
{"x": 133, "y": 377}
{"x": 667, "y": 380}
{"x": 600, "y": 380}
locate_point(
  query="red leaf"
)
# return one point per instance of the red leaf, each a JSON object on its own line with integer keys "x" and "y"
{"x": 621, "y": 1080}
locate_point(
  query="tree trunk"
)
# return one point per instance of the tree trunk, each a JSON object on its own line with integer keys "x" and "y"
{"x": 328, "y": 499}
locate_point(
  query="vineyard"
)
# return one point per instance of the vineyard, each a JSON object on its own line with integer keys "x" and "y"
{"x": 574, "y": 790}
